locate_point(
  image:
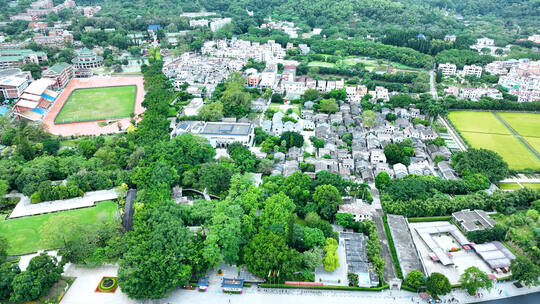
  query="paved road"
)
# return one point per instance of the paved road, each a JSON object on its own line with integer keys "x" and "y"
{"x": 516, "y": 135}
{"x": 82, "y": 292}
{"x": 26, "y": 208}
{"x": 432, "y": 87}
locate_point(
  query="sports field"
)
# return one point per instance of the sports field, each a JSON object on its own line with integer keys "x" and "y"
{"x": 24, "y": 236}
{"x": 484, "y": 130}
{"x": 98, "y": 104}
{"x": 527, "y": 125}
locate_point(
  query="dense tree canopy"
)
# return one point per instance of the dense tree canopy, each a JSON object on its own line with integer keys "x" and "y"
{"x": 151, "y": 256}
{"x": 482, "y": 161}
{"x": 438, "y": 285}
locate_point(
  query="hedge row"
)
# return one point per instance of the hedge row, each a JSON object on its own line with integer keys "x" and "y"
{"x": 392, "y": 248}
{"x": 429, "y": 219}
{"x": 406, "y": 287}
{"x": 327, "y": 287}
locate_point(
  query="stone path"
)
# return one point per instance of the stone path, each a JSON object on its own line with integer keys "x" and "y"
{"x": 26, "y": 208}
{"x": 457, "y": 138}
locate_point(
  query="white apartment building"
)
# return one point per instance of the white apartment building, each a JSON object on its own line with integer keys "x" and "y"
{"x": 293, "y": 89}
{"x": 496, "y": 68}
{"x": 199, "y": 22}
{"x": 218, "y": 23}
{"x": 448, "y": 69}
{"x": 472, "y": 70}
{"x": 382, "y": 93}
{"x": 483, "y": 42}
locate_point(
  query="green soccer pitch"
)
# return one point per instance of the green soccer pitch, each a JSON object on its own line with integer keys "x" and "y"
{"x": 98, "y": 104}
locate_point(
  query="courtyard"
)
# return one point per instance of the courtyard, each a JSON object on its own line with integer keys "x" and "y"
{"x": 462, "y": 259}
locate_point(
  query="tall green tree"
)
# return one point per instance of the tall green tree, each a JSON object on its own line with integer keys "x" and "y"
{"x": 473, "y": 279}
{"x": 481, "y": 161}
{"x": 331, "y": 258}
{"x": 154, "y": 264}
{"x": 328, "y": 199}
{"x": 437, "y": 284}
{"x": 382, "y": 180}
{"x": 415, "y": 279}
{"x": 368, "y": 118}
{"x": 525, "y": 271}
{"x": 8, "y": 272}
{"x": 211, "y": 112}
{"x": 38, "y": 278}
{"x": 236, "y": 101}
{"x": 267, "y": 253}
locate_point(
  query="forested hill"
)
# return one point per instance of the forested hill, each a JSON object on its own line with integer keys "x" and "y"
{"x": 347, "y": 17}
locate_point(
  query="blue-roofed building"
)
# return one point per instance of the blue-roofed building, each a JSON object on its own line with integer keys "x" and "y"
{"x": 202, "y": 284}
{"x": 232, "y": 285}
{"x": 154, "y": 27}
{"x": 421, "y": 36}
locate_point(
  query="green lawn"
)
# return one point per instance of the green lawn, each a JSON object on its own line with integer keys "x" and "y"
{"x": 531, "y": 185}
{"x": 509, "y": 186}
{"x": 484, "y": 130}
{"x": 23, "y": 234}
{"x": 294, "y": 107}
{"x": 474, "y": 121}
{"x": 98, "y": 104}
{"x": 526, "y": 125}
{"x": 321, "y": 64}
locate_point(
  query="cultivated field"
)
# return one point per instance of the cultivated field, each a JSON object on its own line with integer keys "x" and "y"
{"x": 527, "y": 125}
{"x": 98, "y": 104}
{"x": 24, "y": 235}
{"x": 484, "y": 130}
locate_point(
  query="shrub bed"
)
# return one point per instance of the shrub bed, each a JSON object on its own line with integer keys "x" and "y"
{"x": 107, "y": 284}
{"x": 406, "y": 287}
{"x": 429, "y": 219}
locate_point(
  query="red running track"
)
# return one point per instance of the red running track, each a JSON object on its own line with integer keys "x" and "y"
{"x": 92, "y": 127}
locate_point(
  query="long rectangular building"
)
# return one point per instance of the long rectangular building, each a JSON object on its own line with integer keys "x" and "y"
{"x": 218, "y": 134}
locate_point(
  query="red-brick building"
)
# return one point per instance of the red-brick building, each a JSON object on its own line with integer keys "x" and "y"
{"x": 60, "y": 73}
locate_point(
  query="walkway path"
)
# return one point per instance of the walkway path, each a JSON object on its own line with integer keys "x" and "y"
{"x": 516, "y": 135}
{"x": 457, "y": 139}
{"x": 389, "y": 272}
{"x": 520, "y": 180}
{"x": 82, "y": 292}
{"x": 432, "y": 88}
{"x": 26, "y": 208}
